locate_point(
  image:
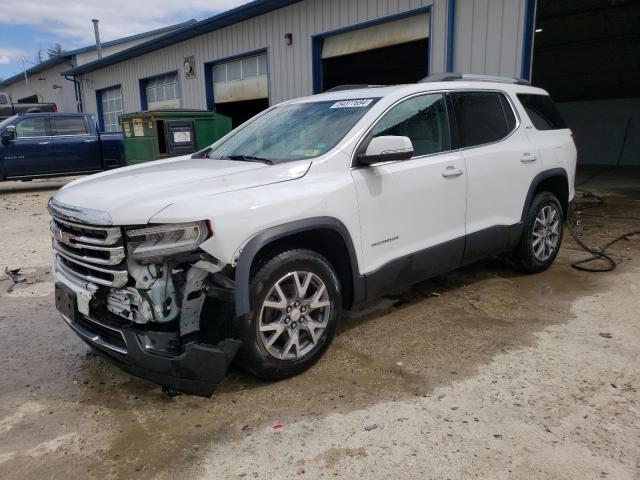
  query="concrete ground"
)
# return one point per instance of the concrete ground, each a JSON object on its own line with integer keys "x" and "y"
{"x": 481, "y": 373}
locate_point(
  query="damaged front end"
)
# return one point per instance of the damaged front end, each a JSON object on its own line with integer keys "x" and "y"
{"x": 148, "y": 298}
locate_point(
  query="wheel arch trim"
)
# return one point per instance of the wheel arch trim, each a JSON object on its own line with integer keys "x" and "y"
{"x": 537, "y": 180}
{"x": 272, "y": 234}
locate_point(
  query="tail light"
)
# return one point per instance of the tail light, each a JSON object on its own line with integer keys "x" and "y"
{"x": 55, "y": 107}
{"x": 573, "y": 137}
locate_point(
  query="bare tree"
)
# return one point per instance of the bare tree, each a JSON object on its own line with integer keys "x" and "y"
{"x": 39, "y": 57}
{"x": 55, "y": 51}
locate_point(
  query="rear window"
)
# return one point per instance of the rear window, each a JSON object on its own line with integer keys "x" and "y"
{"x": 70, "y": 126}
{"x": 542, "y": 111}
{"x": 482, "y": 117}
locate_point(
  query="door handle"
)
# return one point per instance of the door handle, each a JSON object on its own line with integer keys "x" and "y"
{"x": 43, "y": 143}
{"x": 451, "y": 172}
{"x": 528, "y": 158}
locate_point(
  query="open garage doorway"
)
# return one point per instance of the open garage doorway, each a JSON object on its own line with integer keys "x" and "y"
{"x": 587, "y": 55}
{"x": 386, "y": 53}
{"x": 242, "y": 111}
{"x": 241, "y": 87}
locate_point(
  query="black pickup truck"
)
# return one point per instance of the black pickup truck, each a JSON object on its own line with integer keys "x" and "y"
{"x": 8, "y": 108}
{"x": 40, "y": 145}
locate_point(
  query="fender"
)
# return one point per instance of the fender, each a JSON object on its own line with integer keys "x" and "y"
{"x": 537, "y": 180}
{"x": 248, "y": 253}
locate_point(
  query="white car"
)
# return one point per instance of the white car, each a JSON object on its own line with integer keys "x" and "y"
{"x": 252, "y": 248}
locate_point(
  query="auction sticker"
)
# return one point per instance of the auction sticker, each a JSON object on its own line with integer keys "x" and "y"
{"x": 364, "y": 102}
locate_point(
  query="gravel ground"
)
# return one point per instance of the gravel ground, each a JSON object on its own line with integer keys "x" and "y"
{"x": 481, "y": 373}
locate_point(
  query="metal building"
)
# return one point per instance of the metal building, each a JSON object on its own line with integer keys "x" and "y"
{"x": 265, "y": 52}
{"x": 45, "y": 82}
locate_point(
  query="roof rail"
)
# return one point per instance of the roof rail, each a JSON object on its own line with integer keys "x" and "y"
{"x": 471, "y": 77}
{"x": 352, "y": 87}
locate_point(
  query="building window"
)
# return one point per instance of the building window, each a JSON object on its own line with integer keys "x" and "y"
{"x": 163, "y": 92}
{"x": 240, "y": 69}
{"x": 111, "y": 101}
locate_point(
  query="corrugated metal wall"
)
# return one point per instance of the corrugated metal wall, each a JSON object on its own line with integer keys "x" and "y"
{"x": 42, "y": 83}
{"x": 488, "y": 36}
{"x": 290, "y": 67}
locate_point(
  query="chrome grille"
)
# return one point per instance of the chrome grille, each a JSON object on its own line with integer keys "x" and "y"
{"x": 92, "y": 253}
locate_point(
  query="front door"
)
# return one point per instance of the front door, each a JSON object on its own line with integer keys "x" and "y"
{"x": 412, "y": 212}
{"x": 30, "y": 153}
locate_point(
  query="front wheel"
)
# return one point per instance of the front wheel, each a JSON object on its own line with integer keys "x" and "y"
{"x": 297, "y": 302}
{"x": 542, "y": 236}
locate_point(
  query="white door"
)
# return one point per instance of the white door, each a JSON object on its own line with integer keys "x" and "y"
{"x": 501, "y": 161}
{"x": 408, "y": 206}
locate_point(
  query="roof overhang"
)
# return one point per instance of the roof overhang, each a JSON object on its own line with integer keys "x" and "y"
{"x": 225, "y": 19}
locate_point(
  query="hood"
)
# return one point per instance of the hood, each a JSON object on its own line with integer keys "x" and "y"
{"x": 132, "y": 195}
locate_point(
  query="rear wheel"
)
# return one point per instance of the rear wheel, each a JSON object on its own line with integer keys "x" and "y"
{"x": 296, "y": 301}
{"x": 542, "y": 237}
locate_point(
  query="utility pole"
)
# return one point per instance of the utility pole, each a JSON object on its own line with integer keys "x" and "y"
{"x": 96, "y": 31}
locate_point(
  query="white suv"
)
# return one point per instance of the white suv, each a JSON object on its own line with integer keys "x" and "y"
{"x": 252, "y": 248}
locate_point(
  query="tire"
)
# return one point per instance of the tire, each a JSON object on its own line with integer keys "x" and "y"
{"x": 275, "y": 313}
{"x": 540, "y": 242}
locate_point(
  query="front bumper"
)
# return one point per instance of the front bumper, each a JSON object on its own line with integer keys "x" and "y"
{"x": 197, "y": 369}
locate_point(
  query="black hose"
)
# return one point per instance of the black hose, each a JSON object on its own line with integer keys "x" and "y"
{"x": 597, "y": 253}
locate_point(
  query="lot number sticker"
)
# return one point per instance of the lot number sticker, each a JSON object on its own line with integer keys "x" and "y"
{"x": 365, "y": 102}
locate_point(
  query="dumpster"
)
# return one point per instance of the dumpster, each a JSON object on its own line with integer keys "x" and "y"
{"x": 169, "y": 133}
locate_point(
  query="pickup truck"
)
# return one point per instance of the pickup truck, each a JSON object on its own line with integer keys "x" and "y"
{"x": 37, "y": 145}
{"x": 8, "y": 108}
{"x": 249, "y": 250}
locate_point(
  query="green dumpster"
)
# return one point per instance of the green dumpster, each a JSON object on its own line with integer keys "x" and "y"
{"x": 168, "y": 133}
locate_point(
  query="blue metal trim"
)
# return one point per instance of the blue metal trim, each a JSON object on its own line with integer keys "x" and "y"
{"x": 208, "y": 72}
{"x": 317, "y": 39}
{"x": 527, "y": 41}
{"x": 142, "y": 86}
{"x": 99, "y": 104}
{"x": 230, "y": 17}
{"x": 144, "y": 106}
{"x": 451, "y": 14}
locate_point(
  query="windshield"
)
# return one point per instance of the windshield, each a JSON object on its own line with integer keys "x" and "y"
{"x": 294, "y": 131}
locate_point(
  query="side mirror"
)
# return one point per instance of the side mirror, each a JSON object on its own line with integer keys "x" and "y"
{"x": 387, "y": 149}
{"x": 8, "y": 134}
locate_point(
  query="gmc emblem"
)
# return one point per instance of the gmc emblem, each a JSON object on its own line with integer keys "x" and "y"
{"x": 61, "y": 236}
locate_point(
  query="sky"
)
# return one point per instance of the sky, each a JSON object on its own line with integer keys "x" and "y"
{"x": 29, "y": 25}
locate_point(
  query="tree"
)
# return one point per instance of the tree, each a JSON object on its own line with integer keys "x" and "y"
{"x": 55, "y": 51}
{"x": 39, "y": 56}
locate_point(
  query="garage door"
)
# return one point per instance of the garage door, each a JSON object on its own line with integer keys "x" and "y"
{"x": 389, "y": 53}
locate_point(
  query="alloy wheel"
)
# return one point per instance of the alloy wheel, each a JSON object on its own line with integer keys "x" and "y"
{"x": 294, "y": 315}
{"x": 546, "y": 233}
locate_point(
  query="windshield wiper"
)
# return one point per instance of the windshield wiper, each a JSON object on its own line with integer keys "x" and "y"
{"x": 247, "y": 158}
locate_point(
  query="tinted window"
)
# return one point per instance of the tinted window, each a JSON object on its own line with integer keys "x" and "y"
{"x": 542, "y": 111}
{"x": 31, "y": 127}
{"x": 423, "y": 119}
{"x": 481, "y": 118}
{"x": 70, "y": 126}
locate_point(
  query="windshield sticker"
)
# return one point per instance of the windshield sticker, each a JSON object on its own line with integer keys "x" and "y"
{"x": 365, "y": 102}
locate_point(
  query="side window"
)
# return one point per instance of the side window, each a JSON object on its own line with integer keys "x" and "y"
{"x": 31, "y": 127}
{"x": 73, "y": 125}
{"x": 423, "y": 119}
{"x": 482, "y": 117}
{"x": 541, "y": 110}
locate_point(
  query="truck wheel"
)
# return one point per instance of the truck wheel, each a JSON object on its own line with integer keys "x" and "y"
{"x": 297, "y": 303}
{"x": 542, "y": 236}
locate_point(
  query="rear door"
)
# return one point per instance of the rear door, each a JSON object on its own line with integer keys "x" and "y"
{"x": 75, "y": 148}
{"x": 501, "y": 164}
{"x": 30, "y": 153}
